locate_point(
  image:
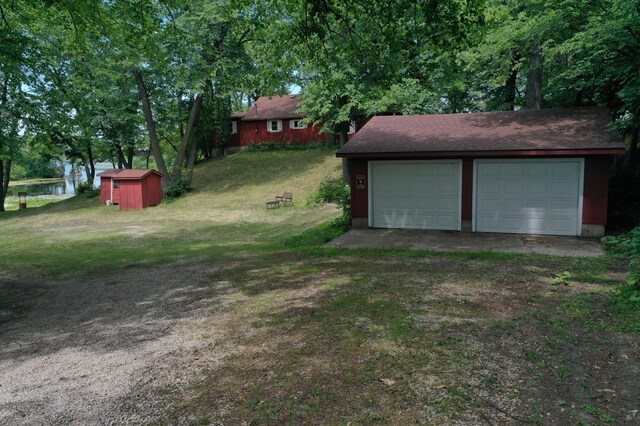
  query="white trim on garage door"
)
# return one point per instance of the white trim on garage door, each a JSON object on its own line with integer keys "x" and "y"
{"x": 528, "y": 196}
{"x": 425, "y": 194}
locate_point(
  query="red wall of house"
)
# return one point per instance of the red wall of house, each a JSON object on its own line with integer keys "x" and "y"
{"x": 596, "y": 190}
{"x": 256, "y": 132}
{"x": 595, "y": 194}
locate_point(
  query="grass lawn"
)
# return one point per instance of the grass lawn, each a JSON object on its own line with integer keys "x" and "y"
{"x": 228, "y": 313}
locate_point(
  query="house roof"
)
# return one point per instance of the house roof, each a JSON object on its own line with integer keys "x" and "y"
{"x": 110, "y": 172}
{"x": 458, "y": 134}
{"x": 272, "y": 108}
{"x": 136, "y": 173}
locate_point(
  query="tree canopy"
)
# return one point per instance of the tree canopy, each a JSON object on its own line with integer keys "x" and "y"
{"x": 102, "y": 80}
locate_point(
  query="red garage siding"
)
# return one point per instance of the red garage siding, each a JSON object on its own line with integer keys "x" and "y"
{"x": 359, "y": 197}
{"x": 596, "y": 190}
{"x": 467, "y": 193}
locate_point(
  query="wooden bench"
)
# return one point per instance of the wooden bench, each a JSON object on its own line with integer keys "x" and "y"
{"x": 273, "y": 203}
{"x": 286, "y": 199}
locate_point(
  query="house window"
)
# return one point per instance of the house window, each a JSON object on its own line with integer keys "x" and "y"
{"x": 297, "y": 124}
{"x": 116, "y": 184}
{"x": 234, "y": 127}
{"x": 352, "y": 127}
{"x": 274, "y": 125}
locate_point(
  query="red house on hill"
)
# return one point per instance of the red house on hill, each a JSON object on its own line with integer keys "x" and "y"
{"x": 274, "y": 119}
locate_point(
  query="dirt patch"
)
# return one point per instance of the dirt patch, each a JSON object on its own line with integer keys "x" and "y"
{"x": 76, "y": 351}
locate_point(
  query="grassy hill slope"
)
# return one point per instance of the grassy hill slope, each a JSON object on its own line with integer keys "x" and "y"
{"x": 225, "y": 209}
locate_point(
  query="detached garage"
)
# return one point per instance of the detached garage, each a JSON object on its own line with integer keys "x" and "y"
{"x": 528, "y": 172}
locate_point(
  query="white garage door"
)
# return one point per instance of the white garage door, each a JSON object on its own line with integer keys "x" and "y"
{"x": 415, "y": 194}
{"x": 528, "y": 196}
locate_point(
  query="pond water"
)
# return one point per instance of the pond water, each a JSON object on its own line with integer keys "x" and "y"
{"x": 62, "y": 186}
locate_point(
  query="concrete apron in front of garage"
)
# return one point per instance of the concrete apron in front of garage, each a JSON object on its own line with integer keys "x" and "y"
{"x": 465, "y": 241}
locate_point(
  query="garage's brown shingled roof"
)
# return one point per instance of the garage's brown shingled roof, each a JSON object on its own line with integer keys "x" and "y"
{"x": 272, "y": 108}
{"x": 534, "y": 130}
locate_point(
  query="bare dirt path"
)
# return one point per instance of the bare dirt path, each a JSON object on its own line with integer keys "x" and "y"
{"x": 91, "y": 351}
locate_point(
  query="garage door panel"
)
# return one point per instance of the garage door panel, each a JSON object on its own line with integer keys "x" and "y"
{"x": 514, "y": 187}
{"x": 566, "y": 188}
{"x": 446, "y": 204}
{"x": 564, "y": 170}
{"x": 543, "y": 199}
{"x": 487, "y": 172}
{"x": 428, "y": 199}
{"x": 447, "y": 187}
{"x": 491, "y": 186}
{"x": 513, "y": 170}
{"x": 488, "y": 205}
{"x": 537, "y": 187}
{"x": 558, "y": 225}
{"x": 538, "y": 170}
{"x": 445, "y": 171}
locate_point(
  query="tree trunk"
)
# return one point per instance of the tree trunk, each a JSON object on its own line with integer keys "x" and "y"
{"x": 92, "y": 167}
{"x": 534, "y": 78}
{"x": 630, "y": 160}
{"x": 192, "y": 160}
{"x": 151, "y": 126}
{"x": 331, "y": 140}
{"x": 87, "y": 168}
{"x": 510, "y": 89}
{"x": 193, "y": 116}
{"x": 343, "y": 136}
{"x": 129, "y": 163}
{"x": 3, "y": 185}
{"x": 120, "y": 156}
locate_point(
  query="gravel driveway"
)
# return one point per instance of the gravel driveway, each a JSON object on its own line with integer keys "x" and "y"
{"x": 110, "y": 349}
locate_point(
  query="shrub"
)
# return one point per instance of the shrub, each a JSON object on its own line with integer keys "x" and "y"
{"x": 84, "y": 187}
{"x": 334, "y": 190}
{"x": 625, "y": 301}
{"x": 176, "y": 189}
{"x": 282, "y": 146}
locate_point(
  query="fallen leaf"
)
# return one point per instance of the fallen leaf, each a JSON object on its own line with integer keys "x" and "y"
{"x": 388, "y": 382}
{"x": 441, "y": 386}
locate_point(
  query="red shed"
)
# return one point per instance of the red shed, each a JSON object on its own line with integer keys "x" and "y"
{"x": 109, "y": 191}
{"x": 138, "y": 188}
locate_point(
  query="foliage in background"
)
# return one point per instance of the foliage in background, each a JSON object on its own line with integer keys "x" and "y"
{"x": 85, "y": 187}
{"x": 177, "y": 188}
{"x": 334, "y": 190}
{"x": 625, "y": 302}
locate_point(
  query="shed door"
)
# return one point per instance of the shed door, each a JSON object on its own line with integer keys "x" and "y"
{"x": 415, "y": 194}
{"x": 528, "y": 196}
